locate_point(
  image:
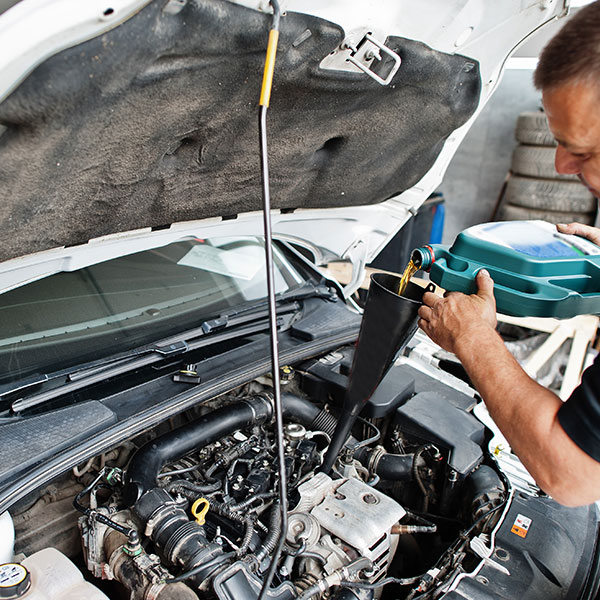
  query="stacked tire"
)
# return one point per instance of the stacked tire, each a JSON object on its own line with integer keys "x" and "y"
{"x": 534, "y": 189}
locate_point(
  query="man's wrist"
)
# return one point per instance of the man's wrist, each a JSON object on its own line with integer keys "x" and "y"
{"x": 476, "y": 340}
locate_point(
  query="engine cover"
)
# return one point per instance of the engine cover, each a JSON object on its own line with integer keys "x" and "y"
{"x": 352, "y": 511}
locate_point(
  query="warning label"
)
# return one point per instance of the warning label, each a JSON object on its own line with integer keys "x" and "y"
{"x": 521, "y": 526}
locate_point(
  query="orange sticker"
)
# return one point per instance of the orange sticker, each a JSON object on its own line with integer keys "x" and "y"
{"x": 520, "y": 532}
{"x": 521, "y": 526}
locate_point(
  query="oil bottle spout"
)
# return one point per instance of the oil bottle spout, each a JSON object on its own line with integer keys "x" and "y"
{"x": 423, "y": 258}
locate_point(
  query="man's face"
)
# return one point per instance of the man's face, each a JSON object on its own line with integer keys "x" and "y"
{"x": 573, "y": 111}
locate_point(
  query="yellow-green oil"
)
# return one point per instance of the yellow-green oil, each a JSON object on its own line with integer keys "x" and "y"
{"x": 411, "y": 269}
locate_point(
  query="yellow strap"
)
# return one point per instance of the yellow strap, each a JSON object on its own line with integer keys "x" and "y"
{"x": 200, "y": 513}
{"x": 265, "y": 92}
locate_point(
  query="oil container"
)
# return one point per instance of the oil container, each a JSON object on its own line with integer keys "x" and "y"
{"x": 537, "y": 271}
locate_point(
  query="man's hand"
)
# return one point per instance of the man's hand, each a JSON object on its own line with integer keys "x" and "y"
{"x": 465, "y": 325}
{"x": 586, "y": 231}
{"x": 457, "y": 317}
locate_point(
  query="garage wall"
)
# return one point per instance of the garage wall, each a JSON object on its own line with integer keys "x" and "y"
{"x": 474, "y": 178}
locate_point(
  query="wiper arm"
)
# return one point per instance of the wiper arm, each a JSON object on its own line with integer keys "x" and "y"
{"x": 90, "y": 368}
{"x": 210, "y": 332}
{"x": 159, "y": 350}
{"x": 173, "y": 346}
{"x": 239, "y": 316}
{"x": 33, "y": 380}
{"x": 308, "y": 291}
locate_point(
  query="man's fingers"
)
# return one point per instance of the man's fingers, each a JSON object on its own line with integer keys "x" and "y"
{"x": 586, "y": 231}
{"x": 429, "y": 298}
{"x": 424, "y": 325}
{"x": 485, "y": 284}
{"x": 424, "y": 312}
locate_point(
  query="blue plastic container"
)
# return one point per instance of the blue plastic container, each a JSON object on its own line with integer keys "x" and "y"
{"x": 537, "y": 271}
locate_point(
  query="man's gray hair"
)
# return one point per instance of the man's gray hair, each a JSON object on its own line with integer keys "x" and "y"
{"x": 573, "y": 54}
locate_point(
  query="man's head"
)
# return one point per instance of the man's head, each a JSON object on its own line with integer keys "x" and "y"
{"x": 573, "y": 54}
{"x": 568, "y": 73}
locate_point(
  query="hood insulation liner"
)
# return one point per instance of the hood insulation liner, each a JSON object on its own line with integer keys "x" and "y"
{"x": 155, "y": 122}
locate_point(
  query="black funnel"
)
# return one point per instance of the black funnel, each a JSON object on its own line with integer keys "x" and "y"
{"x": 389, "y": 321}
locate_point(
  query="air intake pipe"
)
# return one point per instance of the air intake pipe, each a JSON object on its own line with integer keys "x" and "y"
{"x": 389, "y": 321}
{"x": 146, "y": 463}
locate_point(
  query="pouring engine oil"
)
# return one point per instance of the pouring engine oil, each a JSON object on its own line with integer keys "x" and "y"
{"x": 537, "y": 271}
{"x": 411, "y": 269}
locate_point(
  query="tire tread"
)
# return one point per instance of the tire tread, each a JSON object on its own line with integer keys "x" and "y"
{"x": 549, "y": 194}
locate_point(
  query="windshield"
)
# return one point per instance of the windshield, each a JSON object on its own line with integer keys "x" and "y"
{"x": 74, "y": 317}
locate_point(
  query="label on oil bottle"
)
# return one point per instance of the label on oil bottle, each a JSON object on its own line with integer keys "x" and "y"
{"x": 534, "y": 238}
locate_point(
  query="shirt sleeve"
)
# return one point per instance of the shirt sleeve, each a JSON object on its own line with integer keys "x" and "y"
{"x": 579, "y": 416}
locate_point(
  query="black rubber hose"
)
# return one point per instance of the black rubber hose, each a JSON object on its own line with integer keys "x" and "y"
{"x": 305, "y": 412}
{"x": 297, "y": 407}
{"x": 180, "y": 485}
{"x": 486, "y": 490}
{"x": 248, "y": 535}
{"x": 395, "y": 467}
{"x": 148, "y": 461}
{"x": 273, "y": 536}
{"x": 484, "y": 481}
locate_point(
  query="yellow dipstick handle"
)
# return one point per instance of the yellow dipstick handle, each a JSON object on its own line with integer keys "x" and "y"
{"x": 200, "y": 513}
{"x": 265, "y": 92}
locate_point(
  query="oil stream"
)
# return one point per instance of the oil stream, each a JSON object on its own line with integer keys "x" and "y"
{"x": 410, "y": 270}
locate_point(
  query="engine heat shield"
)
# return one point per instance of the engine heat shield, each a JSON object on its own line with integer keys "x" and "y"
{"x": 360, "y": 516}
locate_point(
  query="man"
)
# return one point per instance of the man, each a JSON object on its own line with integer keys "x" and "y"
{"x": 558, "y": 443}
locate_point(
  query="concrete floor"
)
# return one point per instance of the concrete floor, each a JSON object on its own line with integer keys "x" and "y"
{"x": 474, "y": 178}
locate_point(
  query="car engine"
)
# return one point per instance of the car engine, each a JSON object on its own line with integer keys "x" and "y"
{"x": 193, "y": 511}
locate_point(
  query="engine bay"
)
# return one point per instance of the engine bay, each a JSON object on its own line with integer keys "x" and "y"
{"x": 190, "y": 509}
{"x": 147, "y": 454}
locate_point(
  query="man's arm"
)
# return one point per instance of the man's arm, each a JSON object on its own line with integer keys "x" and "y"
{"x": 525, "y": 411}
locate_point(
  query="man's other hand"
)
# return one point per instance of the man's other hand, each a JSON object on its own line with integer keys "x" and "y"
{"x": 586, "y": 231}
{"x": 458, "y": 318}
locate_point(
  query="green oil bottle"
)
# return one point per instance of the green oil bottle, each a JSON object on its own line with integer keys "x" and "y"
{"x": 537, "y": 271}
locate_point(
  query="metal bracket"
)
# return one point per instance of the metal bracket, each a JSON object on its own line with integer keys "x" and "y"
{"x": 372, "y": 55}
{"x": 480, "y": 547}
{"x": 357, "y": 256}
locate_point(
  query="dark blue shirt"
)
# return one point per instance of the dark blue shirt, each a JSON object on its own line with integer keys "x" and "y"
{"x": 580, "y": 414}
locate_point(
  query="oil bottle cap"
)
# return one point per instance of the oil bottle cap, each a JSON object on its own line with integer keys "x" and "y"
{"x": 14, "y": 580}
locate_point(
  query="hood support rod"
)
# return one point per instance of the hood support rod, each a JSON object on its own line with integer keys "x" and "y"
{"x": 265, "y": 96}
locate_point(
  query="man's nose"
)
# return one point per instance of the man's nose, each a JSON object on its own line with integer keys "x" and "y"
{"x": 566, "y": 163}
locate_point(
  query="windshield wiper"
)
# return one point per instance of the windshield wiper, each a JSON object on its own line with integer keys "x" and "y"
{"x": 234, "y": 317}
{"x": 89, "y": 368}
{"x": 210, "y": 331}
{"x": 138, "y": 359}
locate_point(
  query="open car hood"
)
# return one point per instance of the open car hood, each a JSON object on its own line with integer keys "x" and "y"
{"x": 141, "y": 115}
{"x": 137, "y": 394}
